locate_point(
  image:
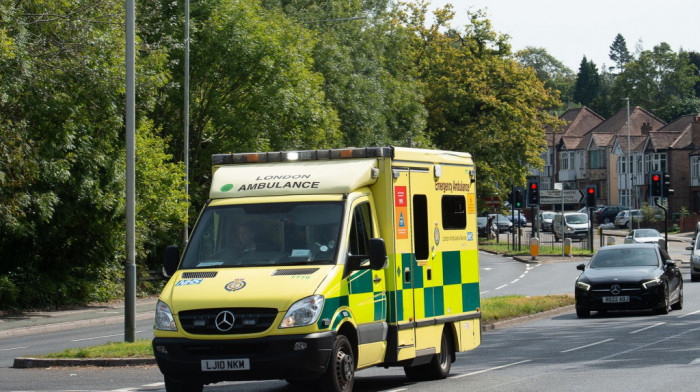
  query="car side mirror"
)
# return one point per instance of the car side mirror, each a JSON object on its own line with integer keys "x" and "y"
{"x": 670, "y": 263}
{"x": 172, "y": 258}
{"x": 581, "y": 267}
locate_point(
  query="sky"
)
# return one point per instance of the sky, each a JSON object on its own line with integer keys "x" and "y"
{"x": 569, "y": 30}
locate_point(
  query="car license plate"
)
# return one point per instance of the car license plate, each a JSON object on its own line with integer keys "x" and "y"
{"x": 616, "y": 299}
{"x": 219, "y": 365}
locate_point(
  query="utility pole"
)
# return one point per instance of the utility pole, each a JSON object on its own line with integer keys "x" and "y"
{"x": 186, "y": 121}
{"x": 130, "y": 266}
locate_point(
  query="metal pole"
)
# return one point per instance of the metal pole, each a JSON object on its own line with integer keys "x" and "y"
{"x": 130, "y": 267}
{"x": 187, "y": 118}
{"x": 629, "y": 168}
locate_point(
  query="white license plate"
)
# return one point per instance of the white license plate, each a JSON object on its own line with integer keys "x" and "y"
{"x": 225, "y": 365}
{"x": 616, "y": 299}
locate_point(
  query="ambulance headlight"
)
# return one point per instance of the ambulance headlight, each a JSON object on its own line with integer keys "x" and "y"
{"x": 304, "y": 312}
{"x": 164, "y": 318}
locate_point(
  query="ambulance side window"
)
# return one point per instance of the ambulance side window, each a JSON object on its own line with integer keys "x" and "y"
{"x": 420, "y": 227}
{"x": 360, "y": 230}
{"x": 454, "y": 212}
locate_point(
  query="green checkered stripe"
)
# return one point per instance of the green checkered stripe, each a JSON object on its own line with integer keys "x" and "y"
{"x": 434, "y": 297}
{"x": 360, "y": 283}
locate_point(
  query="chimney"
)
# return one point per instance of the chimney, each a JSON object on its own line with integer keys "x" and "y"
{"x": 695, "y": 131}
{"x": 646, "y": 128}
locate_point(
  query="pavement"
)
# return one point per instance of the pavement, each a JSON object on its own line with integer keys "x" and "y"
{"x": 32, "y": 323}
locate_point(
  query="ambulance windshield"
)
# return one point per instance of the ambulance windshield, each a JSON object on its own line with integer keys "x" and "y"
{"x": 265, "y": 234}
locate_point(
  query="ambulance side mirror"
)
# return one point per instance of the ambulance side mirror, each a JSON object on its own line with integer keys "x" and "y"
{"x": 172, "y": 258}
{"x": 376, "y": 260}
{"x": 377, "y": 254}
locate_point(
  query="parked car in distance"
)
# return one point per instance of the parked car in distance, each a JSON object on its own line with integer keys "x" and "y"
{"x": 623, "y": 217}
{"x": 500, "y": 221}
{"x": 518, "y": 216}
{"x": 544, "y": 220}
{"x": 644, "y": 236}
{"x": 629, "y": 277}
{"x": 482, "y": 229}
{"x": 695, "y": 259}
{"x": 607, "y": 214}
{"x": 574, "y": 225}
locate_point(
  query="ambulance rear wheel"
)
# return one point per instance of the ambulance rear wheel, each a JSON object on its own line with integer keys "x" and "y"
{"x": 439, "y": 366}
{"x": 173, "y": 385}
{"x": 340, "y": 374}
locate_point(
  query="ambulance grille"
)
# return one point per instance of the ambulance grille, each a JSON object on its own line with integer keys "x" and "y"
{"x": 198, "y": 275}
{"x": 244, "y": 320}
{"x": 295, "y": 271}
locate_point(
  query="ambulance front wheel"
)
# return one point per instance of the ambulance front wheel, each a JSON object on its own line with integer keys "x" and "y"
{"x": 439, "y": 366}
{"x": 173, "y": 385}
{"x": 340, "y": 374}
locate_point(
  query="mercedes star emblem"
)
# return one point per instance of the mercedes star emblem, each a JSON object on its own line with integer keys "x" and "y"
{"x": 224, "y": 321}
{"x": 615, "y": 289}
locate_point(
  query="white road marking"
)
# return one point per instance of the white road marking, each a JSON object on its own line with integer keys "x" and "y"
{"x": 649, "y": 327}
{"x": 500, "y": 287}
{"x": 588, "y": 345}
{"x": 14, "y": 348}
{"x": 515, "y": 281}
{"x": 695, "y": 362}
{"x": 491, "y": 369}
{"x": 689, "y": 314}
{"x": 101, "y": 337}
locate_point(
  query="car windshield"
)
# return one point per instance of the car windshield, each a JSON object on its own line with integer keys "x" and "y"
{"x": 481, "y": 221}
{"x": 265, "y": 234}
{"x": 577, "y": 218}
{"x": 548, "y": 215}
{"x": 646, "y": 233}
{"x": 624, "y": 257}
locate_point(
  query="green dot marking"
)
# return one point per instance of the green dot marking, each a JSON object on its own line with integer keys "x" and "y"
{"x": 226, "y": 187}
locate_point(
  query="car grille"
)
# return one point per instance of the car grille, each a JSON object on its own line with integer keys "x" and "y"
{"x": 247, "y": 320}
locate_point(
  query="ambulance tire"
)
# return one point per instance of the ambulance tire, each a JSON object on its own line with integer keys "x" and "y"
{"x": 340, "y": 373}
{"x": 438, "y": 368}
{"x": 173, "y": 385}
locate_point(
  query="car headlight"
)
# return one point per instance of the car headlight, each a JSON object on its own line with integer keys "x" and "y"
{"x": 164, "y": 317}
{"x": 583, "y": 286}
{"x": 695, "y": 259}
{"x": 304, "y": 312}
{"x": 569, "y": 228}
{"x": 651, "y": 283}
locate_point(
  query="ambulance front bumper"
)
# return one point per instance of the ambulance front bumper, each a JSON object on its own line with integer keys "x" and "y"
{"x": 297, "y": 357}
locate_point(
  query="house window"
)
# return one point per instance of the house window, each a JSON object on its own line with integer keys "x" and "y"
{"x": 656, "y": 162}
{"x": 596, "y": 159}
{"x": 563, "y": 161}
{"x": 695, "y": 168}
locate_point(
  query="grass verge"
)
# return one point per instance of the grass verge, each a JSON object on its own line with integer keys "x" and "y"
{"x": 492, "y": 309}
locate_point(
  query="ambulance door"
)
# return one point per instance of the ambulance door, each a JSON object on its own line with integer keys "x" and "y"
{"x": 401, "y": 311}
{"x": 424, "y": 227}
{"x": 367, "y": 288}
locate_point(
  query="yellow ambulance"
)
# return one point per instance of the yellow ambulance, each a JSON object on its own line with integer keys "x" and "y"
{"x": 310, "y": 265}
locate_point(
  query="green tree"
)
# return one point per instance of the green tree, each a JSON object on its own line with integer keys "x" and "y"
{"x": 62, "y": 141}
{"x": 361, "y": 59}
{"x": 619, "y": 53}
{"x": 657, "y": 78}
{"x": 252, "y": 88}
{"x": 587, "y": 84}
{"x": 479, "y": 99}
{"x": 549, "y": 70}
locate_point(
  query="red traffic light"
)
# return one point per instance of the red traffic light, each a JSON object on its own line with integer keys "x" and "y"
{"x": 655, "y": 177}
{"x": 591, "y": 190}
{"x": 533, "y": 185}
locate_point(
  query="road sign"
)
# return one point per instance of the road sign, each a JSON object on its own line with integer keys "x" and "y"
{"x": 571, "y": 196}
{"x": 493, "y": 201}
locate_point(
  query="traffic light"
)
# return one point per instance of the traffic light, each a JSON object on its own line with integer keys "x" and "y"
{"x": 518, "y": 197}
{"x": 533, "y": 193}
{"x": 590, "y": 196}
{"x": 666, "y": 188}
{"x": 655, "y": 179}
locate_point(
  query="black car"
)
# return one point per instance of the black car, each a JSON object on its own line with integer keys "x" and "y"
{"x": 607, "y": 214}
{"x": 629, "y": 277}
